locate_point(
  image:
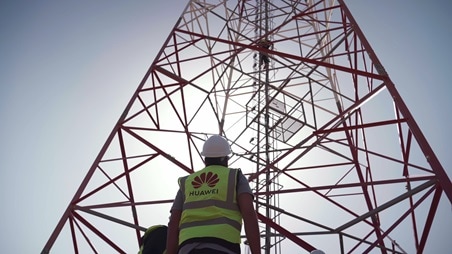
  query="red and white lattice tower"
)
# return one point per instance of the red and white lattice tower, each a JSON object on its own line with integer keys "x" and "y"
{"x": 334, "y": 156}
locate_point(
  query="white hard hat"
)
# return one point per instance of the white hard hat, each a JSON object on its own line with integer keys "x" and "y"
{"x": 216, "y": 146}
{"x": 317, "y": 252}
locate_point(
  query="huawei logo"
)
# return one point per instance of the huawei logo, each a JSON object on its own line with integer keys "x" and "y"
{"x": 210, "y": 179}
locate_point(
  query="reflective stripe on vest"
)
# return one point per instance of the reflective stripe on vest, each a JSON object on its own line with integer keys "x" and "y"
{"x": 210, "y": 208}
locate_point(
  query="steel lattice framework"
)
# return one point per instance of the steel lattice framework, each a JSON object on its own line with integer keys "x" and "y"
{"x": 322, "y": 134}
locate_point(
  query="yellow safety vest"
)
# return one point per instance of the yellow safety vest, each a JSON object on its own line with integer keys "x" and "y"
{"x": 210, "y": 206}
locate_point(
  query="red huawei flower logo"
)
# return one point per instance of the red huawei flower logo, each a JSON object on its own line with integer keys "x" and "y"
{"x": 210, "y": 179}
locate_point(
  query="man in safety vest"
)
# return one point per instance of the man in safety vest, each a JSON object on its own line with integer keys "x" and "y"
{"x": 154, "y": 240}
{"x": 206, "y": 216}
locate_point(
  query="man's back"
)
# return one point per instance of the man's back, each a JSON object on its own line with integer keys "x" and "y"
{"x": 207, "y": 211}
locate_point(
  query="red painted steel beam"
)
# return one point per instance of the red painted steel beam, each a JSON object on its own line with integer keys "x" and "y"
{"x": 159, "y": 151}
{"x": 361, "y": 126}
{"x": 74, "y": 238}
{"x": 430, "y": 156}
{"x": 310, "y": 12}
{"x": 285, "y": 232}
{"x": 129, "y": 184}
{"x": 386, "y": 205}
{"x": 111, "y": 218}
{"x": 400, "y": 220}
{"x": 114, "y": 179}
{"x": 122, "y": 204}
{"x": 429, "y": 222}
{"x": 347, "y": 185}
{"x": 367, "y": 196}
{"x": 84, "y": 236}
{"x": 288, "y": 56}
{"x": 98, "y": 233}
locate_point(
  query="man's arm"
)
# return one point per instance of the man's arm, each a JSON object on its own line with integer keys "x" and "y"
{"x": 245, "y": 201}
{"x": 172, "y": 241}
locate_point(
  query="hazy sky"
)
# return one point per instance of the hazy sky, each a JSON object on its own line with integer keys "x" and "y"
{"x": 68, "y": 69}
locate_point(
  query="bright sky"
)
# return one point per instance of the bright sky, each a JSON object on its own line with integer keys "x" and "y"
{"x": 68, "y": 69}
